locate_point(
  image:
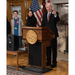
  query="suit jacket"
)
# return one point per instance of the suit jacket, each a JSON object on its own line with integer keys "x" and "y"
{"x": 52, "y": 22}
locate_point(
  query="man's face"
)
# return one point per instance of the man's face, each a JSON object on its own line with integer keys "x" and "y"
{"x": 49, "y": 7}
{"x": 15, "y": 14}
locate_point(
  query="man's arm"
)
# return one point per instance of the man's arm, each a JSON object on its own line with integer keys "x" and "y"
{"x": 56, "y": 16}
{"x": 57, "y": 19}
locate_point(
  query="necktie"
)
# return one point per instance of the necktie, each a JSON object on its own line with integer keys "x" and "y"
{"x": 48, "y": 18}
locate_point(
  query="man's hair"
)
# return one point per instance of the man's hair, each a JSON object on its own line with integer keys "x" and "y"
{"x": 48, "y": 3}
{"x": 15, "y": 11}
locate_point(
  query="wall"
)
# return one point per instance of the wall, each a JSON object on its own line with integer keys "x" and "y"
{"x": 62, "y": 26}
{"x": 59, "y": 1}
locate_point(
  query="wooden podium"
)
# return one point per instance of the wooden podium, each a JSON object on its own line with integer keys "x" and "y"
{"x": 37, "y": 51}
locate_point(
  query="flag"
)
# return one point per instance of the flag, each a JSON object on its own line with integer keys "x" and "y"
{"x": 37, "y": 12}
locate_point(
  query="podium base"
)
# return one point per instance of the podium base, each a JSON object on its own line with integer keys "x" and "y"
{"x": 38, "y": 70}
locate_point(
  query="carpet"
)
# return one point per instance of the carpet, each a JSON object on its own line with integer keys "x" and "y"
{"x": 13, "y": 71}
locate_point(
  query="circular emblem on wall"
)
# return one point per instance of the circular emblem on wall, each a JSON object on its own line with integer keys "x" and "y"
{"x": 31, "y": 37}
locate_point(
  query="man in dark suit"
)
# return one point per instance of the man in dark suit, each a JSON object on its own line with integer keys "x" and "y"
{"x": 50, "y": 18}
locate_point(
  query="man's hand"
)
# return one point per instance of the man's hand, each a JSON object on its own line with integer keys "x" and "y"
{"x": 54, "y": 12}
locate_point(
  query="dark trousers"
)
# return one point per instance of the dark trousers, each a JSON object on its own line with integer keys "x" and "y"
{"x": 54, "y": 49}
{"x": 20, "y": 41}
{"x": 20, "y": 44}
{"x": 48, "y": 53}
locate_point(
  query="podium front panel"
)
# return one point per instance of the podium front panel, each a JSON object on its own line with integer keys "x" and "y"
{"x": 35, "y": 54}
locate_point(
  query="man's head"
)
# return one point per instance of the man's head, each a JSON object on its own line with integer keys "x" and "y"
{"x": 15, "y": 13}
{"x": 49, "y": 7}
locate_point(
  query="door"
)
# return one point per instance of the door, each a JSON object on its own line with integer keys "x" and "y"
{"x": 16, "y": 5}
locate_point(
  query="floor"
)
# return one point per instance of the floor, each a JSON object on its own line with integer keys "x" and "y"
{"x": 61, "y": 69}
{"x": 62, "y": 56}
{"x": 62, "y": 63}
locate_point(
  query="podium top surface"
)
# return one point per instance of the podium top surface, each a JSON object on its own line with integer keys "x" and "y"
{"x": 27, "y": 27}
{"x": 38, "y": 28}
